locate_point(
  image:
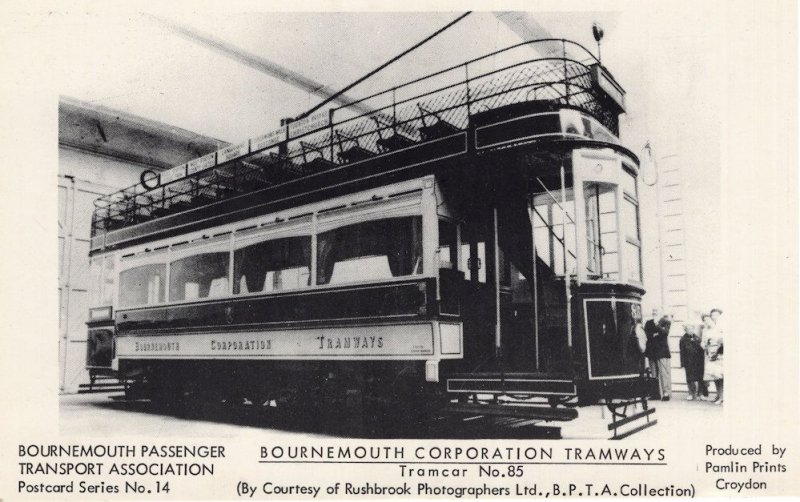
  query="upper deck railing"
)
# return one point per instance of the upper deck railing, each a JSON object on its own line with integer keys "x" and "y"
{"x": 555, "y": 71}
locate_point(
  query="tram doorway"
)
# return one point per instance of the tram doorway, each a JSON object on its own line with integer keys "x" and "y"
{"x": 496, "y": 257}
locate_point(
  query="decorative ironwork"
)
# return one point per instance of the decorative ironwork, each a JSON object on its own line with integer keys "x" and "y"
{"x": 415, "y": 112}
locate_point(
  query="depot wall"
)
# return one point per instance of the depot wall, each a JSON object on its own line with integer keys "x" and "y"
{"x": 100, "y": 151}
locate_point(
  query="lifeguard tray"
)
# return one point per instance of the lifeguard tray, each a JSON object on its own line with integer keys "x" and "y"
{"x": 417, "y": 122}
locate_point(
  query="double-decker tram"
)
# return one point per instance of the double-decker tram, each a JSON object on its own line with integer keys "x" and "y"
{"x": 468, "y": 241}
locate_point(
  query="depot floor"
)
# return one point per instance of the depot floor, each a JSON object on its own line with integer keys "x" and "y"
{"x": 96, "y": 415}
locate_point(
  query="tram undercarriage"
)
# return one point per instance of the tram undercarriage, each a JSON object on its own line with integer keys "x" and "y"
{"x": 380, "y": 399}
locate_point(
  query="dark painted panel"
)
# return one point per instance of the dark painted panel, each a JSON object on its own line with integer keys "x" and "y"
{"x": 517, "y": 128}
{"x": 413, "y": 299}
{"x": 489, "y": 385}
{"x": 99, "y": 348}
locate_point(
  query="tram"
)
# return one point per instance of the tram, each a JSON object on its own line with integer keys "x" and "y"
{"x": 467, "y": 239}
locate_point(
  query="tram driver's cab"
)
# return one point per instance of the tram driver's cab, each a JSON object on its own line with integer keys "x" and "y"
{"x": 589, "y": 232}
{"x": 575, "y": 215}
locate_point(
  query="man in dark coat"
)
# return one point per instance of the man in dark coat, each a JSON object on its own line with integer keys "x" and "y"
{"x": 692, "y": 360}
{"x": 657, "y": 351}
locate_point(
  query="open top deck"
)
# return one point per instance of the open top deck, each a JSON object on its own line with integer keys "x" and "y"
{"x": 418, "y": 122}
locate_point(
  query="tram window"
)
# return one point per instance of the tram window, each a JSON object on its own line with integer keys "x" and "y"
{"x": 601, "y": 231}
{"x": 629, "y": 184}
{"x": 272, "y": 265}
{"x": 468, "y": 261}
{"x": 561, "y": 232}
{"x": 448, "y": 240}
{"x": 633, "y": 253}
{"x": 199, "y": 276}
{"x": 142, "y": 285}
{"x": 372, "y": 250}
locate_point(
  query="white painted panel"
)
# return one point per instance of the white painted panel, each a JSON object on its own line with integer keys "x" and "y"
{"x": 675, "y": 282}
{"x": 411, "y": 341}
{"x": 84, "y": 207}
{"x": 76, "y": 373}
{"x": 674, "y": 253}
{"x": 78, "y": 312}
{"x": 79, "y": 265}
{"x": 671, "y": 192}
{"x": 450, "y": 338}
{"x": 62, "y": 206}
{"x": 674, "y": 236}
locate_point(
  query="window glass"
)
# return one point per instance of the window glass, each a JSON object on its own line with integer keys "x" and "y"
{"x": 468, "y": 262}
{"x": 601, "y": 231}
{"x": 629, "y": 184}
{"x": 142, "y": 285}
{"x": 633, "y": 255}
{"x": 447, "y": 244}
{"x": 199, "y": 276}
{"x": 549, "y": 231}
{"x": 272, "y": 265}
{"x": 633, "y": 262}
{"x": 630, "y": 222}
{"x": 371, "y": 250}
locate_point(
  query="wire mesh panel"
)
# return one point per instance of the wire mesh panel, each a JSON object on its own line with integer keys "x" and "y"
{"x": 554, "y": 72}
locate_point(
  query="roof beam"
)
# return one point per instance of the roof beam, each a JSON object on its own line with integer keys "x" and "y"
{"x": 255, "y": 62}
{"x": 526, "y": 27}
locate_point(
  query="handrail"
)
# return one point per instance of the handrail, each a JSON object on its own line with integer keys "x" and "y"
{"x": 124, "y": 207}
{"x": 474, "y": 60}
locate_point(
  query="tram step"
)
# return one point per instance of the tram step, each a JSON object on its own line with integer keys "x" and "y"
{"x": 115, "y": 383}
{"x": 96, "y": 390}
{"x": 532, "y": 412}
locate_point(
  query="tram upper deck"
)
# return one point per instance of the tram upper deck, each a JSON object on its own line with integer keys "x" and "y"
{"x": 544, "y": 91}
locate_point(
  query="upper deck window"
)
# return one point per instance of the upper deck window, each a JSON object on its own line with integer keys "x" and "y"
{"x": 373, "y": 250}
{"x": 199, "y": 276}
{"x": 272, "y": 265}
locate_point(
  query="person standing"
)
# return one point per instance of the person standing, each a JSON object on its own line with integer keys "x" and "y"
{"x": 657, "y": 351}
{"x": 692, "y": 360}
{"x": 714, "y": 343}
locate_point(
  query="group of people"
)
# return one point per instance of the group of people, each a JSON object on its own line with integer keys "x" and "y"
{"x": 702, "y": 349}
{"x": 701, "y": 352}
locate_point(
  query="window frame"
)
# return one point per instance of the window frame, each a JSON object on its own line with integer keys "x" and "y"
{"x": 208, "y": 245}
{"x": 348, "y": 223}
{"x": 636, "y": 240}
{"x": 416, "y": 197}
{"x": 143, "y": 263}
{"x": 302, "y": 226}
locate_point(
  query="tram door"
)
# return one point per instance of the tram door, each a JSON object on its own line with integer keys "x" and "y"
{"x": 478, "y": 298}
{"x": 494, "y": 271}
{"x": 515, "y": 281}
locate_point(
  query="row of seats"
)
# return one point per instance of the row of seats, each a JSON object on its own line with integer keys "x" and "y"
{"x": 268, "y": 170}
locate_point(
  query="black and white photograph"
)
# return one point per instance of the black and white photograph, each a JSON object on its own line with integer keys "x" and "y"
{"x": 421, "y": 242}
